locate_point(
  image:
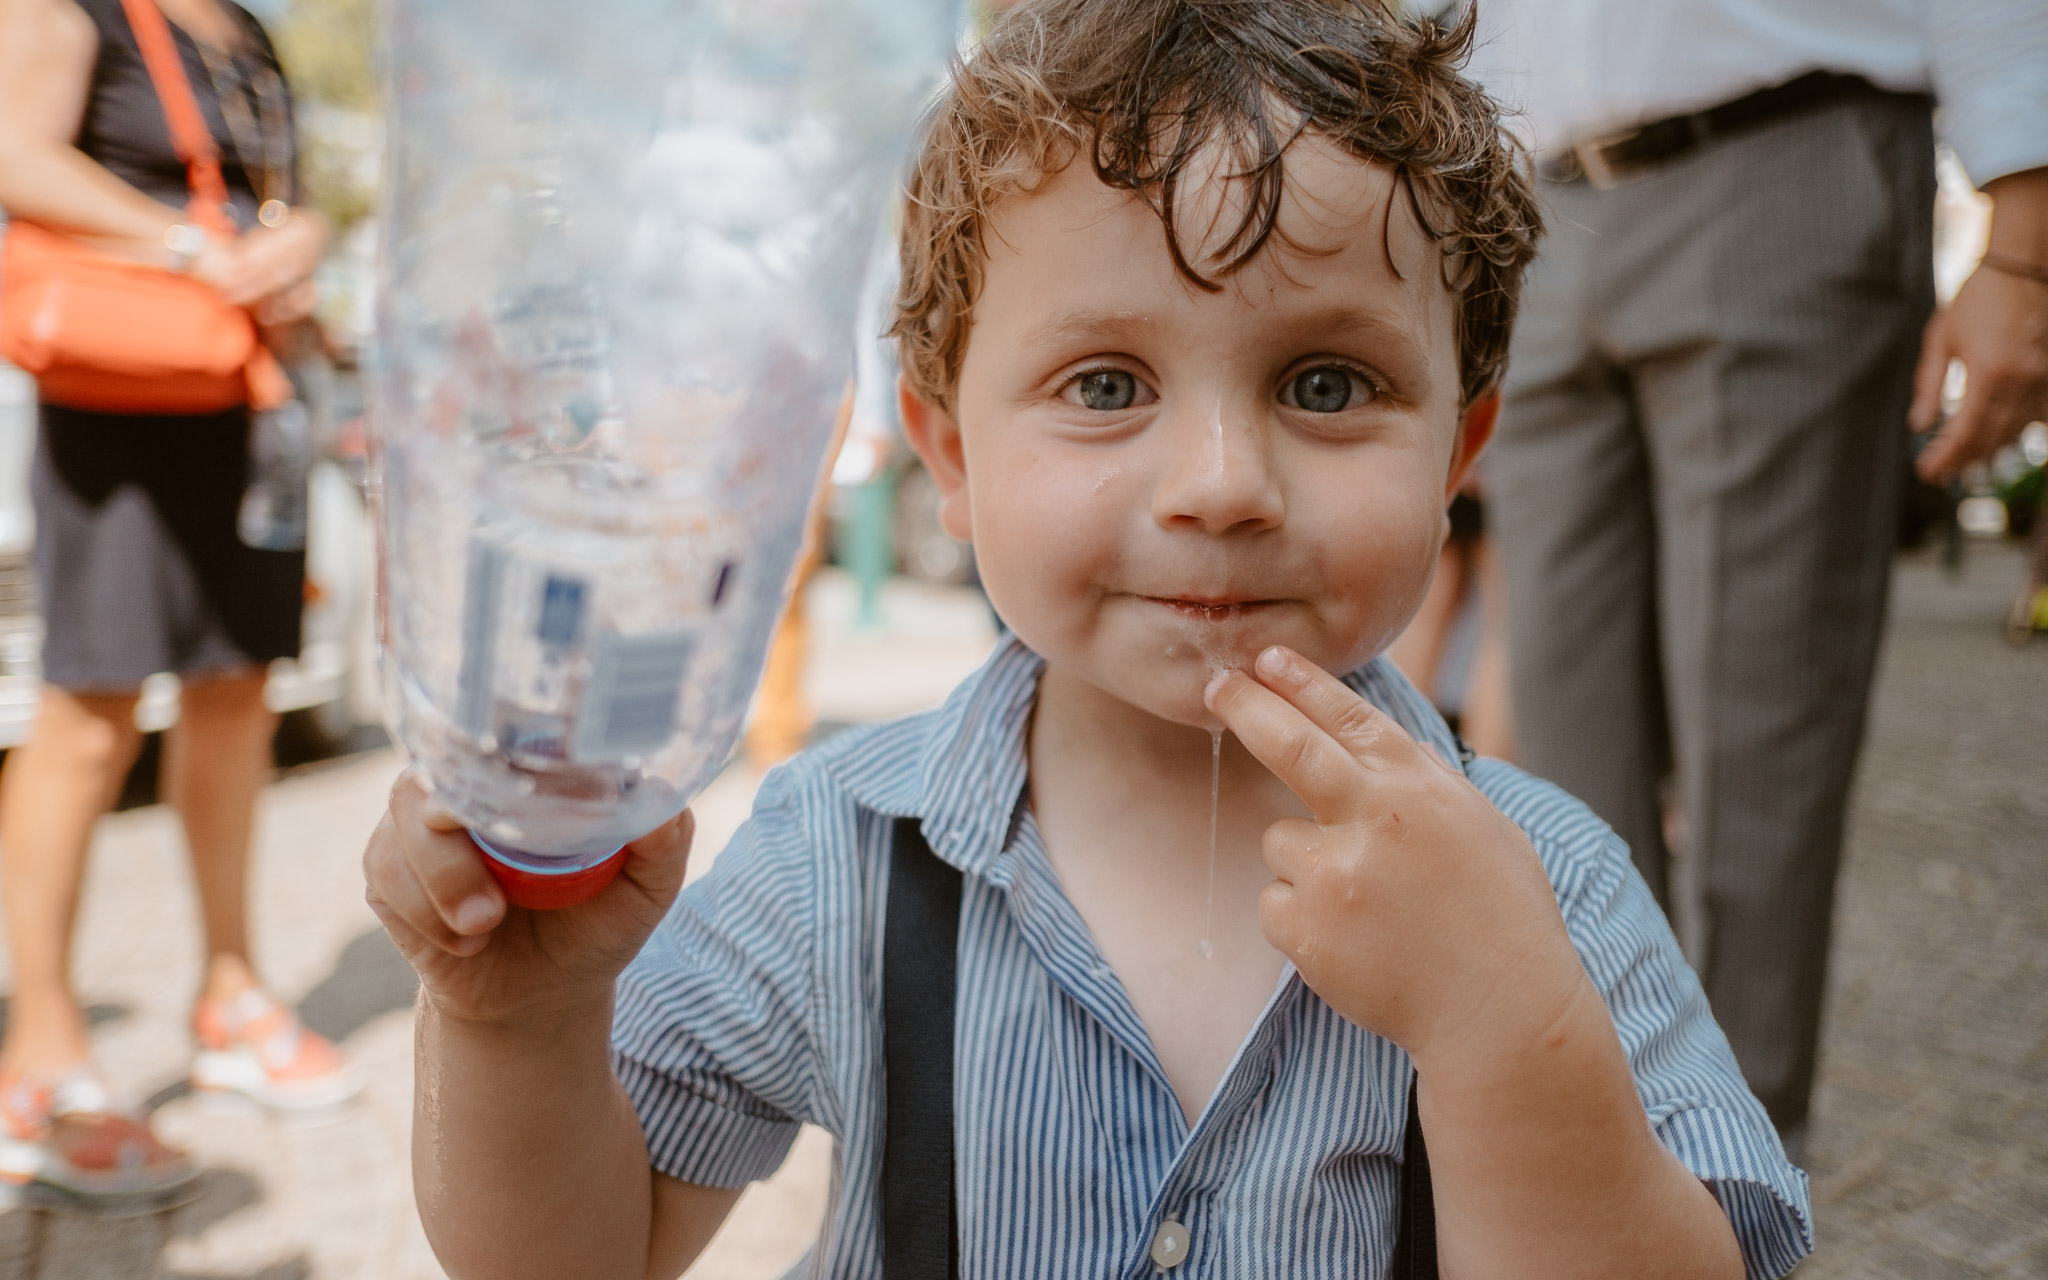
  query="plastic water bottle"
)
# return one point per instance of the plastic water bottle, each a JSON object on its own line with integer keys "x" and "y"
{"x": 272, "y": 516}
{"x": 623, "y": 245}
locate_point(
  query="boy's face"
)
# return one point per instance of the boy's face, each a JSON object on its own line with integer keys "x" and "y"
{"x": 1159, "y": 481}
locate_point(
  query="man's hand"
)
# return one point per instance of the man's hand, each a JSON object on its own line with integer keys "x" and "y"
{"x": 1409, "y": 904}
{"x": 1998, "y": 327}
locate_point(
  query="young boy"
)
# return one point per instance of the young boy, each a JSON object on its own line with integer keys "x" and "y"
{"x": 1204, "y": 302}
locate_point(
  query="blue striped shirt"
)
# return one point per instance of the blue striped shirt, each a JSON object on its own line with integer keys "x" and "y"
{"x": 756, "y": 1007}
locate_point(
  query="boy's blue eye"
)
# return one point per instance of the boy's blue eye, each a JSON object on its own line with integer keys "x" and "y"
{"x": 1108, "y": 390}
{"x": 1325, "y": 389}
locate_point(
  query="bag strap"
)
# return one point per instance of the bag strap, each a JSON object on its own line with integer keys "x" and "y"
{"x": 920, "y": 945}
{"x": 190, "y": 135}
{"x": 920, "y": 952}
{"x": 269, "y": 386}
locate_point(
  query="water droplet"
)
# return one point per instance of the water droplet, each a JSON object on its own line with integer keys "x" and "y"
{"x": 1215, "y": 789}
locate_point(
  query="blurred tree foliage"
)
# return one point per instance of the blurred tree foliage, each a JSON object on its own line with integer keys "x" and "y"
{"x": 327, "y": 47}
{"x": 329, "y": 50}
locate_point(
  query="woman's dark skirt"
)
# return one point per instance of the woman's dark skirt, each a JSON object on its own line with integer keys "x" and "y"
{"x": 137, "y": 560}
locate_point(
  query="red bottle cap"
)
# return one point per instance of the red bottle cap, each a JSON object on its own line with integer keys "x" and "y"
{"x": 540, "y": 889}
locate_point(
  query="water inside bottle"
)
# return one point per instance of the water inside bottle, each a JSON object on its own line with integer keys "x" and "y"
{"x": 616, "y": 291}
{"x": 578, "y": 633}
{"x": 587, "y": 581}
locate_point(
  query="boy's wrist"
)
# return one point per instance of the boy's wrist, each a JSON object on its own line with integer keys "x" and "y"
{"x": 559, "y": 1017}
{"x": 1495, "y": 1050}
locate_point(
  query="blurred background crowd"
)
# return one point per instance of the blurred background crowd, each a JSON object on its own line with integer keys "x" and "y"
{"x": 1666, "y": 591}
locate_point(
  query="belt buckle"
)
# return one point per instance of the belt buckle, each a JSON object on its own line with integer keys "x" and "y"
{"x": 1615, "y": 158}
{"x": 1604, "y": 174}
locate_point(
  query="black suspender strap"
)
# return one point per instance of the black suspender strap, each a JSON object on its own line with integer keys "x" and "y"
{"x": 920, "y": 948}
{"x": 1415, "y": 1238}
{"x": 1415, "y": 1230}
{"x": 920, "y": 942}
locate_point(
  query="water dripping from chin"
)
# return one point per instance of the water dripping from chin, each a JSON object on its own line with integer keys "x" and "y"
{"x": 1204, "y": 948}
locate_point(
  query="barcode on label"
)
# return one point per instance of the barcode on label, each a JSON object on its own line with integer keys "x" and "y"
{"x": 629, "y": 706}
{"x": 561, "y": 611}
{"x": 480, "y": 593}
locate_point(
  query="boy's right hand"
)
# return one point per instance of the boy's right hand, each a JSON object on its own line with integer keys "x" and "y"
{"x": 480, "y": 959}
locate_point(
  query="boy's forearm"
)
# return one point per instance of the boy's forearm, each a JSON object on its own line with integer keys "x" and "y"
{"x": 528, "y": 1159}
{"x": 1543, "y": 1165}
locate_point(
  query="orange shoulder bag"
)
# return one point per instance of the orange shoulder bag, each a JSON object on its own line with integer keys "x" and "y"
{"x": 103, "y": 333}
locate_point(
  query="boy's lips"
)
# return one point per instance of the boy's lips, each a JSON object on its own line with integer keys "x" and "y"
{"x": 1212, "y": 608}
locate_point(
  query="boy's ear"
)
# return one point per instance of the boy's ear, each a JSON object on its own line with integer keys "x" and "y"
{"x": 1475, "y": 428}
{"x": 934, "y": 437}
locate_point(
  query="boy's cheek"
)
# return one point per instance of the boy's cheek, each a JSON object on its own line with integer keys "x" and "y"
{"x": 1375, "y": 586}
{"x": 1028, "y": 510}
{"x": 1039, "y": 571}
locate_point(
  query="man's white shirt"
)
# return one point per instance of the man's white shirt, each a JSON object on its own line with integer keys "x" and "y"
{"x": 1576, "y": 70}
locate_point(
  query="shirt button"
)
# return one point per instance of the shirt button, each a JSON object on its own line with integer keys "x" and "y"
{"x": 1170, "y": 1244}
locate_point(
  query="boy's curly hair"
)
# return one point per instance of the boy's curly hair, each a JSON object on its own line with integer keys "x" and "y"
{"x": 1144, "y": 87}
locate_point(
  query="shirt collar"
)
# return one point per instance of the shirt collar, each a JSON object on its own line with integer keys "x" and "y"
{"x": 960, "y": 769}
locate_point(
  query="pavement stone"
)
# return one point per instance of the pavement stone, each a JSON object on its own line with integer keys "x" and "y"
{"x": 1930, "y": 1143}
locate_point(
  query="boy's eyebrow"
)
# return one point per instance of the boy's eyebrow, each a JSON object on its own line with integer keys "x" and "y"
{"x": 1339, "y": 320}
{"x": 1087, "y": 322}
{"x": 1383, "y": 328}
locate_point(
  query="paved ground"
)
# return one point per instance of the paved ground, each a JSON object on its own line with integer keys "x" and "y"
{"x": 1930, "y": 1145}
{"x": 1930, "y": 1151}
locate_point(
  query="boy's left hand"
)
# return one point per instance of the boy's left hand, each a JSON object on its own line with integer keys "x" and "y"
{"x": 1409, "y": 904}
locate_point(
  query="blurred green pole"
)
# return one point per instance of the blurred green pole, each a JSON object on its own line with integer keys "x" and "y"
{"x": 871, "y": 544}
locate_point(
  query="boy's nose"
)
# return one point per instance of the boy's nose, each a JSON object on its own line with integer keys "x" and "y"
{"x": 1219, "y": 475}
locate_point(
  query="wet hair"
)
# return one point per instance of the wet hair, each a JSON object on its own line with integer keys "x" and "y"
{"x": 1149, "y": 90}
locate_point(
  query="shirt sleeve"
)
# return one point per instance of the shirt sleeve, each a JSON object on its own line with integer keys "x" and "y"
{"x": 1685, "y": 1073}
{"x": 1988, "y": 60}
{"x": 712, "y": 1036}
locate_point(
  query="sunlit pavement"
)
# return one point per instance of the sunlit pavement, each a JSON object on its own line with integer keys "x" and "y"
{"x": 1930, "y": 1151}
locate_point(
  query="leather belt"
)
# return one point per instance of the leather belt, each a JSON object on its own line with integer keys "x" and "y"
{"x": 1613, "y": 159}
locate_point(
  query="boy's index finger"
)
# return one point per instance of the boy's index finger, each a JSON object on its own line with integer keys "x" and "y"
{"x": 1369, "y": 734}
{"x": 1314, "y": 766}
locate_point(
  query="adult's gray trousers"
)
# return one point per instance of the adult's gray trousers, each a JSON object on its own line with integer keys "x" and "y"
{"x": 1694, "y": 487}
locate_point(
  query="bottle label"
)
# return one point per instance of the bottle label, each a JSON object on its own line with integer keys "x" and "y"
{"x": 636, "y": 683}
{"x": 545, "y": 673}
{"x": 474, "y": 687}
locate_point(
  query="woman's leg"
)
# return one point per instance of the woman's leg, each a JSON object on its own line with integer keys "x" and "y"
{"x": 216, "y": 762}
{"x": 55, "y": 786}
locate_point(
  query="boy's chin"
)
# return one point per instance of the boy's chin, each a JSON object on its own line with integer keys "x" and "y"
{"x": 1173, "y": 694}
{"x": 1189, "y": 711}
{"x": 1166, "y": 681}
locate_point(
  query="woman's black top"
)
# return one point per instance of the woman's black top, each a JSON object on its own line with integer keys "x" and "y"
{"x": 124, "y": 127}
{"x": 137, "y": 560}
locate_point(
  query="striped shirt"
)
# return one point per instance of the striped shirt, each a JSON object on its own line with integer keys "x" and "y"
{"x": 756, "y": 1007}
